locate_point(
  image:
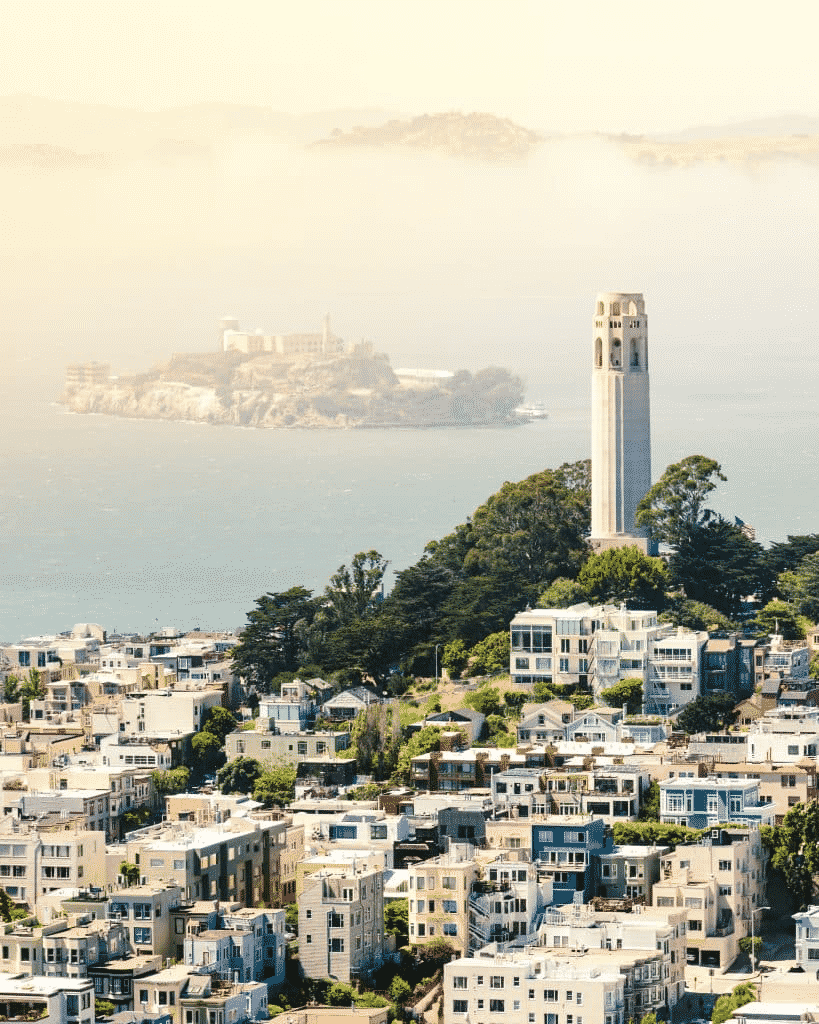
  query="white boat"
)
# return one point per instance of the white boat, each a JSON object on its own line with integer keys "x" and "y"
{"x": 535, "y": 411}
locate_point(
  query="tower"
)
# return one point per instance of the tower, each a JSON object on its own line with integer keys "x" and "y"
{"x": 621, "y": 428}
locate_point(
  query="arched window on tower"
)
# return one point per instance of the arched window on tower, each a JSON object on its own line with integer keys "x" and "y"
{"x": 635, "y": 352}
{"x": 615, "y": 309}
{"x": 615, "y": 357}
{"x": 632, "y": 308}
{"x": 598, "y": 352}
{"x": 600, "y": 309}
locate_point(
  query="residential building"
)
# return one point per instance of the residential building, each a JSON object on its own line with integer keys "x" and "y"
{"x": 249, "y": 946}
{"x": 611, "y": 792}
{"x": 784, "y": 736}
{"x": 230, "y": 862}
{"x": 368, "y": 832}
{"x": 145, "y": 911}
{"x": 648, "y": 946}
{"x": 208, "y": 999}
{"x": 629, "y": 872}
{"x": 439, "y": 892}
{"x": 35, "y": 863}
{"x": 293, "y": 710}
{"x": 464, "y": 722}
{"x": 720, "y": 882}
{"x": 674, "y": 668}
{"x": 532, "y": 986}
{"x": 345, "y": 706}
{"x": 293, "y": 746}
{"x": 703, "y": 803}
{"x": 545, "y": 723}
{"x": 807, "y": 938}
{"x": 341, "y": 924}
{"x": 506, "y": 903}
{"x": 721, "y": 663}
{"x": 167, "y": 712}
{"x": 53, "y": 1000}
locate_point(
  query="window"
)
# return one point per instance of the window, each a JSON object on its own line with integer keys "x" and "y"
{"x": 142, "y": 936}
{"x": 565, "y": 647}
{"x": 694, "y": 925}
{"x": 564, "y": 665}
{"x": 459, "y": 981}
{"x": 336, "y": 945}
{"x": 521, "y": 663}
{"x": 724, "y": 865}
{"x": 793, "y": 749}
{"x": 496, "y": 981}
{"x": 460, "y": 1005}
{"x": 302, "y": 747}
{"x": 497, "y": 1006}
{"x": 450, "y": 906}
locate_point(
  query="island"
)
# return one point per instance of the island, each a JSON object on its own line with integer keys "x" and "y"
{"x": 296, "y": 380}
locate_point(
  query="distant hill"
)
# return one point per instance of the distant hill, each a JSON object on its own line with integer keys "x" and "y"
{"x": 52, "y": 135}
{"x": 482, "y": 136}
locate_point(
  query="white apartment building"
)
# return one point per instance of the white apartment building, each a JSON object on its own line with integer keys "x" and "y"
{"x": 167, "y": 712}
{"x": 673, "y": 671}
{"x": 784, "y": 737}
{"x": 654, "y": 938}
{"x": 594, "y": 647}
{"x": 533, "y": 987}
{"x": 52, "y": 1000}
{"x": 506, "y": 903}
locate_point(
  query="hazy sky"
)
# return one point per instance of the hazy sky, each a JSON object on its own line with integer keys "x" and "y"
{"x": 631, "y": 66}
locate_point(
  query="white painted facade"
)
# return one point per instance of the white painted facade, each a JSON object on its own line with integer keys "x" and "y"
{"x": 621, "y": 429}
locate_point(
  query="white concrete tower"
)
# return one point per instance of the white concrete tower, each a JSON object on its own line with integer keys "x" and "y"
{"x": 621, "y": 427}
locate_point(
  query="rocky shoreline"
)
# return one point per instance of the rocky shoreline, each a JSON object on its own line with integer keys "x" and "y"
{"x": 334, "y": 393}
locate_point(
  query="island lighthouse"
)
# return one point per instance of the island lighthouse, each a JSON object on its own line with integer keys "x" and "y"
{"x": 621, "y": 424}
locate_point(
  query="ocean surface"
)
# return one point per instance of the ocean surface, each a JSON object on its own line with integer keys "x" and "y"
{"x": 140, "y": 524}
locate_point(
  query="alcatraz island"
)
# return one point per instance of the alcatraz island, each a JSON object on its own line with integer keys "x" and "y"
{"x": 296, "y": 380}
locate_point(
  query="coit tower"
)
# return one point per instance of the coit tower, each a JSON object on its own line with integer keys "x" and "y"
{"x": 620, "y": 426}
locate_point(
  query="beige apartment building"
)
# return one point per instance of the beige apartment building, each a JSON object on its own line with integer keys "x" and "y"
{"x": 720, "y": 883}
{"x": 439, "y": 893}
{"x": 33, "y": 864}
{"x": 229, "y": 862}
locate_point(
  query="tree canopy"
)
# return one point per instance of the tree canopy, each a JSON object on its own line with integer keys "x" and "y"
{"x": 628, "y": 692}
{"x": 716, "y": 563}
{"x": 624, "y": 575}
{"x": 239, "y": 775}
{"x": 794, "y": 850}
{"x": 219, "y": 722}
{"x": 675, "y": 506}
{"x": 800, "y": 587}
{"x": 710, "y": 712}
{"x": 276, "y": 785}
{"x": 354, "y": 590}
{"x": 275, "y": 636}
{"x": 779, "y": 617}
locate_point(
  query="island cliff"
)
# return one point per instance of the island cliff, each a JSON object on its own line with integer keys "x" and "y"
{"x": 347, "y": 389}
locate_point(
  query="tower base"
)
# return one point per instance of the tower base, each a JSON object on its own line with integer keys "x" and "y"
{"x": 623, "y": 540}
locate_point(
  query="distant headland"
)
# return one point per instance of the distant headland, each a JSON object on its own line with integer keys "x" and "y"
{"x": 296, "y": 380}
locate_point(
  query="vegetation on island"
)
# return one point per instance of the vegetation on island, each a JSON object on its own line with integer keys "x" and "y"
{"x": 350, "y": 389}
